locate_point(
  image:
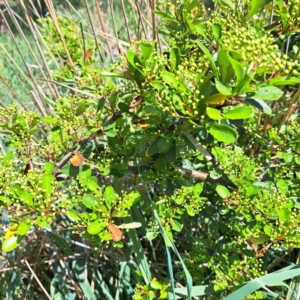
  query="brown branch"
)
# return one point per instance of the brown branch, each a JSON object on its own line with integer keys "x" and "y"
{"x": 198, "y": 146}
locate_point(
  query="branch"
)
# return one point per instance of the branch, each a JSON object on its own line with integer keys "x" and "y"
{"x": 205, "y": 153}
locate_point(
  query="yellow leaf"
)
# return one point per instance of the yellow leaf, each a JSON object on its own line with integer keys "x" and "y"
{"x": 11, "y": 231}
{"x": 216, "y": 99}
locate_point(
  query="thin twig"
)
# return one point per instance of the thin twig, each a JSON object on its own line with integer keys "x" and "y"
{"x": 38, "y": 281}
{"x": 204, "y": 152}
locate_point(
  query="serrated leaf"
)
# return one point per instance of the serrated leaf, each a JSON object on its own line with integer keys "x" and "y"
{"x": 242, "y": 112}
{"x": 223, "y": 133}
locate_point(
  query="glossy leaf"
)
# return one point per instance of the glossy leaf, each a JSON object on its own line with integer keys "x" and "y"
{"x": 223, "y": 133}
{"x": 164, "y": 144}
{"x": 47, "y": 184}
{"x": 109, "y": 196}
{"x": 95, "y": 227}
{"x": 11, "y": 243}
{"x": 268, "y": 93}
{"x": 165, "y": 16}
{"x": 223, "y": 89}
{"x": 242, "y": 112}
{"x": 213, "y": 113}
{"x": 7, "y": 158}
{"x": 26, "y": 198}
{"x": 284, "y": 80}
{"x": 255, "y": 7}
{"x": 216, "y": 99}
{"x": 222, "y": 191}
{"x": 24, "y": 227}
{"x": 90, "y": 201}
{"x": 226, "y": 70}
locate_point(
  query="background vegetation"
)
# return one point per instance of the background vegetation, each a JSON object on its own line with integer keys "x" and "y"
{"x": 150, "y": 150}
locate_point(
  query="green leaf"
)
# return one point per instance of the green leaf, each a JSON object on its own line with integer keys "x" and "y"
{"x": 268, "y": 93}
{"x": 176, "y": 225}
{"x": 47, "y": 184}
{"x": 153, "y": 147}
{"x": 164, "y": 144}
{"x": 269, "y": 279}
{"x": 84, "y": 176}
{"x": 50, "y": 120}
{"x": 109, "y": 196}
{"x": 90, "y": 201}
{"x": 170, "y": 79}
{"x": 226, "y": 70}
{"x": 284, "y": 80}
{"x": 259, "y": 239}
{"x": 198, "y": 188}
{"x": 48, "y": 167}
{"x": 26, "y": 198}
{"x": 242, "y": 112}
{"x": 255, "y": 6}
{"x": 158, "y": 85}
{"x": 130, "y": 199}
{"x": 11, "y": 243}
{"x": 7, "y": 158}
{"x": 165, "y": 16}
{"x": 161, "y": 164}
{"x": 223, "y": 89}
{"x": 171, "y": 153}
{"x": 209, "y": 57}
{"x": 175, "y": 58}
{"x": 73, "y": 214}
{"x": 24, "y": 227}
{"x": 106, "y": 73}
{"x": 222, "y": 191}
{"x": 96, "y": 226}
{"x": 223, "y": 133}
{"x": 217, "y": 31}
{"x": 41, "y": 221}
{"x": 146, "y": 49}
{"x": 237, "y": 68}
{"x": 213, "y": 113}
{"x": 93, "y": 187}
{"x": 228, "y": 3}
